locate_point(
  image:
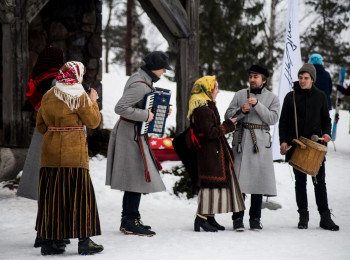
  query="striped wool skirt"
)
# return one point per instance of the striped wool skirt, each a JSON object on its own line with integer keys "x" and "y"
{"x": 221, "y": 200}
{"x": 66, "y": 204}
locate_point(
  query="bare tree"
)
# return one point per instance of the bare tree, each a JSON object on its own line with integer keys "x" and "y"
{"x": 131, "y": 37}
{"x": 107, "y": 30}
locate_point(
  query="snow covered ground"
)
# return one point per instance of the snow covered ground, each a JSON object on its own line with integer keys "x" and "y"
{"x": 172, "y": 217}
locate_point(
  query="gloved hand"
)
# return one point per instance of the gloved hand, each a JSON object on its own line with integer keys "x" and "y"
{"x": 340, "y": 88}
{"x": 229, "y": 125}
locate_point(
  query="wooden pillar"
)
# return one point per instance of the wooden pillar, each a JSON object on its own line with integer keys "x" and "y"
{"x": 187, "y": 65}
{"x": 178, "y": 21}
{"x": 15, "y": 78}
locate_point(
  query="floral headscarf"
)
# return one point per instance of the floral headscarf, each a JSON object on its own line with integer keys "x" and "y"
{"x": 68, "y": 87}
{"x": 201, "y": 93}
{"x": 72, "y": 72}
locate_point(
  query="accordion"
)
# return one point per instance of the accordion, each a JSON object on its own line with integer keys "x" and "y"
{"x": 158, "y": 101}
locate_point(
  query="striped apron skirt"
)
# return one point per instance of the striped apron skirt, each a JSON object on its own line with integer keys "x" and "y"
{"x": 66, "y": 204}
{"x": 221, "y": 200}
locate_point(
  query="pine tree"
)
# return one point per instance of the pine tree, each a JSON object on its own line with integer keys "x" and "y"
{"x": 115, "y": 35}
{"x": 324, "y": 34}
{"x": 229, "y": 42}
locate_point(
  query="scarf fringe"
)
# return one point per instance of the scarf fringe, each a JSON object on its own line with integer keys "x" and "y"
{"x": 73, "y": 102}
{"x": 193, "y": 104}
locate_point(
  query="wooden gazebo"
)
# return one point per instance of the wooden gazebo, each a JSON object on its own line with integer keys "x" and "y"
{"x": 28, "y": 26}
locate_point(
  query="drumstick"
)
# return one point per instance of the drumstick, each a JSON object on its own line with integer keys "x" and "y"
{"x": 288, "y": 148}
{"x": 315, "y": 138}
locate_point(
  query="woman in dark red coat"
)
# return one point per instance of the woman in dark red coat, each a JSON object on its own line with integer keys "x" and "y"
{"x": 219, "y": 188}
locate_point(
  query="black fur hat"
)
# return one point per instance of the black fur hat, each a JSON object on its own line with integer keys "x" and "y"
{"x": 259, "y": 70}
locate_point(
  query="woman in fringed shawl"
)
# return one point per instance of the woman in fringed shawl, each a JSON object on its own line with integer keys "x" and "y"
{"x": 67, "y": 206}
{"x": 219, "y": 188}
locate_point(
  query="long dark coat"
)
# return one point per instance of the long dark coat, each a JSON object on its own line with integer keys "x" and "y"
{"x": 312, "y": 115}
{"x": 213, "y": 153}
{"x": 324, "y": 83}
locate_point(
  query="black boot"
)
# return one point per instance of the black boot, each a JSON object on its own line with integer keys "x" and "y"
{"x": 143, "y": 225}
{"x": 51, "y": 247}
{"x": 88, "y": 247}
{"x": 133, "y": 227}
{"x": 238, "y": 225}
{"x": 39, "y": 241}
{"x": 255, "y": 224}
{"x": 303, "y": 218}
{"x": 327, "y": 222}
{"x": 123, "y": 224}
{"x": 202, "y": 222}
{"x": 212, "y": 221}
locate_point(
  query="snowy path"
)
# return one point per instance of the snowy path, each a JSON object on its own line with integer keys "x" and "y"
{"x": 172, "y": 217}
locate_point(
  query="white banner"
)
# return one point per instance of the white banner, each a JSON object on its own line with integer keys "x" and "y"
{"x": 290, "y": 66}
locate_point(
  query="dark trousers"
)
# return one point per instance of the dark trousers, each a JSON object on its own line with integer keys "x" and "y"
{"x": 131, "y": 203}
{"x": 319, "y": 186}
{"x": 255, "y": 207}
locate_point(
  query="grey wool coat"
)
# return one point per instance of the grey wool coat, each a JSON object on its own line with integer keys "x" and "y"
{"x": 29, "y": 183}
{"x": 125, "y": 167}
{"x": 255, "y": 170}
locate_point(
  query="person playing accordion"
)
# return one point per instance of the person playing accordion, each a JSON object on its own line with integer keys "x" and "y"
{"x": 131, "y": 165}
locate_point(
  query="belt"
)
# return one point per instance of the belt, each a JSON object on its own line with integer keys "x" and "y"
{"x": 65, "y": 128}
{"x": 128, "y": 120}
{"x": 251, "y": 128}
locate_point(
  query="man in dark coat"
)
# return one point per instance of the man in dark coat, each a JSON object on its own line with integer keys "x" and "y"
{"x": 323, "y": 79}
{"x": 313, "y": 118}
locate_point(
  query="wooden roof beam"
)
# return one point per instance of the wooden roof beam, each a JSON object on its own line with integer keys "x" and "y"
{"x": 169, "y": 17}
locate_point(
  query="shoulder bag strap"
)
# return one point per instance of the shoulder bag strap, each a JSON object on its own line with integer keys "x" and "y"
{"x": 149, "y": 85}
{"x": 295, "y": 116}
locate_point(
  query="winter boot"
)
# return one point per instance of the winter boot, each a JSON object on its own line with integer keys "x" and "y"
{"x": 238, "y": 225}
{"x": 88, "y": 247}
{"x": 39, "y": 241}
{"x": 255, "y": 224}
{"x": 303, "y": 218}
{"x": 51, "y": 247}
{"x": 202, "y": 222}
{"x": 123, "y": 223}
{"x": 133, "y": 227}
{"x": 143, "y": 225}
{"x": 212, "y": 221}
{"x": 327, "y": 222}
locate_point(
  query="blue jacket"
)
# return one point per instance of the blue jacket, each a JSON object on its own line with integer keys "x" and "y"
{"x": 324, "y": 82}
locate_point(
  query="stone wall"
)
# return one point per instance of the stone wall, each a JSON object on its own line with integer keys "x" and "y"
{"x": 76, "y": 28}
